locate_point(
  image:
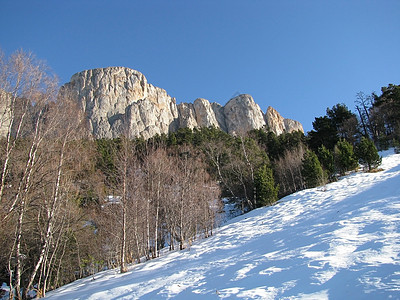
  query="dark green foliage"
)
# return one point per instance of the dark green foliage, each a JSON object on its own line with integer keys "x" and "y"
{"x": 340, "y": 117}
{"x": 266, "y": 190}
{"x": 171, "y": 140}
{"x": 291, "y": 141}
{"x": 270, "y": 142}
{"x": 324, "y": 133}
{"x": 385, "y": 115}
{"x": 184, "y": 136}
{"x": 339, "y": 123}
{"x": 389, "y": 102}
{"x": 368, "y": 154}
{"x": 311, "y": 170}
{"x": 275, "y": 145}
{"x": 198, "y": 137}
{"x": 106, "y": 158}
{"x": 345, "y": 159}
{"x": 327, "y": 160}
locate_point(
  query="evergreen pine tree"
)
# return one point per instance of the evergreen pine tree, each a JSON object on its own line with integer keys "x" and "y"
{"x": 327, "y": 160}
{"x": 171, "y": 140}
{"x": 368, "y": 154}
{"x": 266, "y": 191}
{"x": 345, "y": 159}
{"x": 311, "y": 170}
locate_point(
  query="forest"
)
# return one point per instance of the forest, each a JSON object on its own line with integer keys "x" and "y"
{"x": 71, "y": 205}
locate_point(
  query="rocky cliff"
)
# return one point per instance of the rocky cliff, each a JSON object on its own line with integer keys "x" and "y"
{"x": 120, "y": 101}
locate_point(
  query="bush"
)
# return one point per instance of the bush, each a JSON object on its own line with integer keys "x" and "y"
{"x": 368, "y": 154}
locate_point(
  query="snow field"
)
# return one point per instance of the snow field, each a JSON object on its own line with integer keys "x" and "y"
{"x": 340, "y": 241}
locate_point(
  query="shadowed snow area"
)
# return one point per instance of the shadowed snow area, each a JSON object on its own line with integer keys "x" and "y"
{"x": 340, "y": 241}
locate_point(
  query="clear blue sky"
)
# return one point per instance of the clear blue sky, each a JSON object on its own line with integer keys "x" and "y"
{"x": 300, "y": 57}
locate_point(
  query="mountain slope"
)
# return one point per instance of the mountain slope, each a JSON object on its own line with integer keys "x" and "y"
{"x": 341, "y": 241}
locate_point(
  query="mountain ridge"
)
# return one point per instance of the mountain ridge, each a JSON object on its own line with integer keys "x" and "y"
{"x": 119, "y": 100}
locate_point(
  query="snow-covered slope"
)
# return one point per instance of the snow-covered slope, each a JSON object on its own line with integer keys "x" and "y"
{"x": 341, "y": 241}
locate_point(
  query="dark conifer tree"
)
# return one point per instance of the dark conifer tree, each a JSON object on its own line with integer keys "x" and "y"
{"x": 345, "y": 159}
{"x": 324, "y": 133}
{"x": 311, "y": 170}
{"x": 327, "y": 161}
{"x": 368, "y": 154}
{"x": 266, "y": 190}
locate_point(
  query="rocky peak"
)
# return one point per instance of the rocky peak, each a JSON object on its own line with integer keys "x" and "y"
{"x": 242, "y": 114}
{"x": 274, "y": 121}
{"x": 277, "y": 124}
{"x": 120, "y": 101}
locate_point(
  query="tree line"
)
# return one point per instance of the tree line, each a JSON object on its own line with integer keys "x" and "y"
{"x": 71, "y": 205}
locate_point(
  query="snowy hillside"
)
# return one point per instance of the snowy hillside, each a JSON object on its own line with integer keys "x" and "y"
{"x": 341, "y": 241}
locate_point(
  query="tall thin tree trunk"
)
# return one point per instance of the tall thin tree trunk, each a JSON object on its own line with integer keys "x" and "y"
{"x": 156, "y": 229}
{"x": 50, "y": 216}
{"x": 19, "y": 256}
{"x": 362, "y": 121}
{"x": 123, "y": 268}
{"x": 254, "y": 204}
{"x": 11, "y": 144}
{"x": 22, "y": 194}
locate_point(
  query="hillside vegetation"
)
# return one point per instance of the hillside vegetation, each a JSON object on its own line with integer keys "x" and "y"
{"x": 340, "y": 241}
{"x": 71, "y": 205}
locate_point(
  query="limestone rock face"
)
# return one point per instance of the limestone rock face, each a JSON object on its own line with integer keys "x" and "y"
{"x": 187, "y": 116}
{"x": 242, "y": 114}
{"x": 292, "y": 125}
{"x": 274, "y": 121}
{"x": 205, "y": 115}
{"x": 119, "y": 101}
{"x": 218, "y": 110}
{"x": 277, "y": 124}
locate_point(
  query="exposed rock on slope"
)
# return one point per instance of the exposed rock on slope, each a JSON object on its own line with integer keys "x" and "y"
{"x": 278, "y": 124}
{"x": 274, "y": 121}
{"x": 242, "y": 114}
{"x": 120, "y": 101}
{"x": 205, "y": 115}
{"x": 292, "y": 125}
{"x": 187, "y": 117}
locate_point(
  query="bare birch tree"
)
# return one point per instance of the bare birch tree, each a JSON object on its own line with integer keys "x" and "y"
{"x": 288, "y": 171}
{"x": 65, "y": 122}
{"x": 27, "y": 90}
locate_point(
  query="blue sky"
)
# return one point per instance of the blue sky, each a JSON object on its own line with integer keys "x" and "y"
{"x": 299, "y": 57}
